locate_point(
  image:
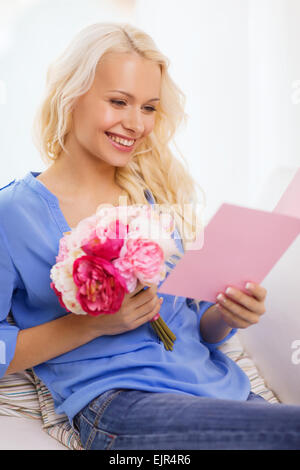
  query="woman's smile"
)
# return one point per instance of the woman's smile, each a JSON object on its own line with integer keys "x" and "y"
{"x": 120, "y": 144}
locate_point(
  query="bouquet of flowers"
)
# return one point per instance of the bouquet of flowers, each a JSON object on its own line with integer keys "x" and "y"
{"x": 106, "y": 255}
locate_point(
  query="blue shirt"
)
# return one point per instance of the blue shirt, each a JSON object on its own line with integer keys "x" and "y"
{"x": 31, "y": 225}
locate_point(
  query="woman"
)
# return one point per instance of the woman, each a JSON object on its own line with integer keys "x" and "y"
{"x": 104, "y": 126}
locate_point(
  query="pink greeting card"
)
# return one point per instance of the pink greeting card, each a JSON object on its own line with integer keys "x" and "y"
{"x": 240, "y": 245}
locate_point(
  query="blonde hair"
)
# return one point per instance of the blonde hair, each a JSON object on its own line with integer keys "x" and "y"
{"x": 153, "y": 167}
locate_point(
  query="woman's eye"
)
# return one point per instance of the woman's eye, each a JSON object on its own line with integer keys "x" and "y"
{"x": 149, "y": 108}
{"x": 120, "y": 103}
{"x": 117, "y": 102}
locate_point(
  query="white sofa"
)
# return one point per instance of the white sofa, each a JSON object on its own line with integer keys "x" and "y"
{"x": 20, "y": 433}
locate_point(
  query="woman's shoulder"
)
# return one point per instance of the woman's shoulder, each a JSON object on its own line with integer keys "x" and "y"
{"x": 14, "y": 198}
{"x": 7, "y": 185}
{"x": 17, "y": 190}
{"x": 7, "y": 193}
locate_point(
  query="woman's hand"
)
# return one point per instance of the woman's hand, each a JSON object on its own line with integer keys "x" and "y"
{"x": 240, "y": 310}
{"x": 138, "y": 307}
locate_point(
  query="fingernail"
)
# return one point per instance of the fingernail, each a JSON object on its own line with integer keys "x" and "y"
{"x": 229, "y": 290}
{"x": 161, "y": 300}
{"x": 249, "y": 285}
{"x": 156, "y": 317}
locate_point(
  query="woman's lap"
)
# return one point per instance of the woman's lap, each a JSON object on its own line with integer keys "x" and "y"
{"x": 132, "y": 419}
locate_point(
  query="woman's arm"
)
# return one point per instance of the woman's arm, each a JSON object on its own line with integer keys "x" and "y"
{"x": 43, "y": 342}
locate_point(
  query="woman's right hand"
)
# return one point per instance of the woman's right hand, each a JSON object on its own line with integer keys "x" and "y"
{"x": 138, "y": 307}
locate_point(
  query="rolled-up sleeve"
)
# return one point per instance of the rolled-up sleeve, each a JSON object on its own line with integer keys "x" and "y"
{"x": 8, "y": 283}
{"x": 203, "y": 306}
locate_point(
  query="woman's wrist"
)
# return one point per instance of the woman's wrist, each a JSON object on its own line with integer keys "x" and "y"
{"x": 86, "y": 326}
{"x": 212, "y": 326}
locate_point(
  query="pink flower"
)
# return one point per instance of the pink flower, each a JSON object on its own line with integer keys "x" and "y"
{"x": 100, "y": 288}
{"x": 110, "y": 248}
{"x": 63, "y": 250}
{"x": 143, "y": 259}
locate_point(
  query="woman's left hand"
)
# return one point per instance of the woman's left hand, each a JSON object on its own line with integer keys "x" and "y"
{"x": 240, "y": 310}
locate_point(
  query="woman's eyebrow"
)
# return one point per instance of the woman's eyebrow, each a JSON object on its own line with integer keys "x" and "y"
{"x": 131, "y": 96}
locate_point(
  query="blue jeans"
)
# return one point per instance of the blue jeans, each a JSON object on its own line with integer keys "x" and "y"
{"x": 125, "y": 419}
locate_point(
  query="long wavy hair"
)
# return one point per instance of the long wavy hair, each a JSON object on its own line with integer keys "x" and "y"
{"x": 153, "y": 166}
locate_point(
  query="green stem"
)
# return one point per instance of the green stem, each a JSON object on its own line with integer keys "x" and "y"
{"x": 168, "y": 343}
{"x": 166, "y": 329}
{"x": 161, "y": 334}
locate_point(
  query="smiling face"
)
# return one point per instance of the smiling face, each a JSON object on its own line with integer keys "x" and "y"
{"x": 101, "y": 111}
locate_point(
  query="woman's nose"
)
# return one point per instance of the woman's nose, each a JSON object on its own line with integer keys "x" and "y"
{"x": 134, "y": 122}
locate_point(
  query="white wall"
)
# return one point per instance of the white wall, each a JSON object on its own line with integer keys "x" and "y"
{"x": 274, "y": 99}
{"x": 236, "y": 60}
{"x": 207, "y": 44}
{"x": 32, "y": 34}
{"x": 238, "y": 63}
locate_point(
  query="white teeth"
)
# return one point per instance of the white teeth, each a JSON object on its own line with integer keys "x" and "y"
{"x": 127, "y": 143}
